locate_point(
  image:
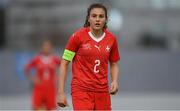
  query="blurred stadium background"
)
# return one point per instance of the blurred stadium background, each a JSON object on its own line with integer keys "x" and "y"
{"x": 149, "y": 36}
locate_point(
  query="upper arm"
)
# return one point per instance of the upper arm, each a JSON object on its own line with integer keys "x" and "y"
{"x": 65, "y": 62}
{"x": 64, "y": 65}
{"x": 30, "y": 65}
{"x": 114, "y": 54}
{"x": 73, "y": 43}
{"x": 71, "y": 47}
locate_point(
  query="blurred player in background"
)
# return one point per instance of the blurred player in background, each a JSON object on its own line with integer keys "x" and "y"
{"x": 90, "y": 49}
{"x": 45, "y": 79}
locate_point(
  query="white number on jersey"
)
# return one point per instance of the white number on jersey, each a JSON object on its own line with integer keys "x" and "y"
{"x": 97, "y": 63}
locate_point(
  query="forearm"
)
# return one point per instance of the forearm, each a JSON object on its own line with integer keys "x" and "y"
{"x": 114, "y": 71}
{"x": 63, "y": 76}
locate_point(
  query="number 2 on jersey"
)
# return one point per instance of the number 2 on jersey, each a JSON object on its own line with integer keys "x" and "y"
{"x": 97, "y": 63}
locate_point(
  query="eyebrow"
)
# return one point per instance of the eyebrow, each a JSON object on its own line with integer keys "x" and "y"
{"x": 96, "y": 14}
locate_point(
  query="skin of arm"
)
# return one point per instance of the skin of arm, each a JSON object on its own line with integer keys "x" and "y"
{"x": 62, "y": 101}
{"x": 114, "y": 76}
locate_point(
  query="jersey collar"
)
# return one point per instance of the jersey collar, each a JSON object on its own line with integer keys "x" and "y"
{"x": 96, "y": 39}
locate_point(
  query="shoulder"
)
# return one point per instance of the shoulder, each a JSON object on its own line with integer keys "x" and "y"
{"x": 37, "y": 56}
{"x": 80, "y": 31}
{"x": 79, "y": 34}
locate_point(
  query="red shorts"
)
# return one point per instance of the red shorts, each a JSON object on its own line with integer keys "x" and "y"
{"x": 44, "y": 99}
{"x": 91, "y": 100}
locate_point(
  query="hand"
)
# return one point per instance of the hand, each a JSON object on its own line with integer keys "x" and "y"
{"x": 62, "y": 101}
{"x": 114, "y": 88}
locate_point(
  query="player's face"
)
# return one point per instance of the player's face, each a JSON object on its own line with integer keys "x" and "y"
{"x": 46, "y": 47}
{"x": 97, "y": 18}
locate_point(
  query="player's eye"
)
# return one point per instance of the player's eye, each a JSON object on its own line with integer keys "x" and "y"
{"x": 101, "y": 16}
{"x": 93, "y": 15}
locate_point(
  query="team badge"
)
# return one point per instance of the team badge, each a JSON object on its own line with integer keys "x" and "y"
{"x": 86, "y": 46}
{"x": 107, "y": 48}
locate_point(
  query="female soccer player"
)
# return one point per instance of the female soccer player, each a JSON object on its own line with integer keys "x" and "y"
{"x": 45, "y": 79}
{"x": 90, "y": 49}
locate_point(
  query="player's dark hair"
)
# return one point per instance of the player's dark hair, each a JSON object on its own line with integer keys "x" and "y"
{"x": 92, "y": 6}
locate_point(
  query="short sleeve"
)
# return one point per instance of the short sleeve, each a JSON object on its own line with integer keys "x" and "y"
{"x": 71, "y": 47}
{"x": 114, "y": 54}
{"x": 73, "y": 43}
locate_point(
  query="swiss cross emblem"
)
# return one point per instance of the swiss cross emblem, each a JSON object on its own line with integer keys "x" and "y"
{"x": 107, "y": 48}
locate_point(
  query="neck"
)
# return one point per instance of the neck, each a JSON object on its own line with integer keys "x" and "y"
{"x": 96, "y": 33}
{"x": 45, "y": 54}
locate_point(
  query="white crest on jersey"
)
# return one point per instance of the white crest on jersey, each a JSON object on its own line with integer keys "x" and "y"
{"x": 107, "y": 48}
{"x": 86, "y": 46}
{"x": 97, "y": 47}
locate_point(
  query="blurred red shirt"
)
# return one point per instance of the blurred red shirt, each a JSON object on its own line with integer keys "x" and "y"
{"x": 45, "y": 69}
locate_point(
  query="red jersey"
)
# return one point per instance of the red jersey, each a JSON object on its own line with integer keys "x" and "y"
{"x": 45, "y": 67}
{"x": 90, "y": 63}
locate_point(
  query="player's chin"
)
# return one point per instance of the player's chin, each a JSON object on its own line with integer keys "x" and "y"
{"x": 97, "y": 27}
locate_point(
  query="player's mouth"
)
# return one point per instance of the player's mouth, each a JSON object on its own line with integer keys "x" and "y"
{"x": 97, "y": 24}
